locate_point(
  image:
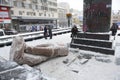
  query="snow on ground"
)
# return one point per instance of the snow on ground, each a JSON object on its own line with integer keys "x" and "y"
{"x": 91, "y": 70}
{"x": 4, "y": 52}
{"x": 98, "y": 66}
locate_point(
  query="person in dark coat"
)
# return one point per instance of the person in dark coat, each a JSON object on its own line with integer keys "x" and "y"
{"x": 114, "y": 29}
{"x": 50, "y": 32}
{"x": 45, "y": 32}
{"x": 74, "y": 31}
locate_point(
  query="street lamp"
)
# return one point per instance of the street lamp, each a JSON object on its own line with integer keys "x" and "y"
{"x": 69, "y": 16}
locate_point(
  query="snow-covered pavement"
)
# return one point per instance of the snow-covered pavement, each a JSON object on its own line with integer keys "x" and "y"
{"x": 99, "y": 66}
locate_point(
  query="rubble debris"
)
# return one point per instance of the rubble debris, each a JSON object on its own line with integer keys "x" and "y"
{"x": 103, "y": 59}
{"x": 12, "y": 71}
{"x": 66, "y": 61}
{"x": 72, "y": 61}
{"x": 87, "y": 56}
{"x": 32, "y": 55}
{"x": 74, "y": 50}
{"x": 7, "y": 65}
{"x": 83, "y": 61}
{"x": 79, "y": 57}
{"x": 76, "y": 71}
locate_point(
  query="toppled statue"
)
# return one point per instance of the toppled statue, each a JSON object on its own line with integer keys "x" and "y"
{"x": 32, "y": 55}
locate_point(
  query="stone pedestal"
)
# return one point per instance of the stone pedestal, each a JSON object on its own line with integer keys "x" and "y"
{"x": 97, "y": 15}
{"x": 93, "y": 42}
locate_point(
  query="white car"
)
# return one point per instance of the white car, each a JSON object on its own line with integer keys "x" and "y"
{"x": 119, "y": 27}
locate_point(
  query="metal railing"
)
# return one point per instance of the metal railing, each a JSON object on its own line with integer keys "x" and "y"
{"x": 7, "y": 39}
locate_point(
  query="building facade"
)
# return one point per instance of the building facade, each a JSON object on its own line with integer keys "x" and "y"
{"x": 62, "y": 19}
{"x": 64, "y": 5}
{"x": 115, "y": 17}
{"x": 34, "y": 14}
{"x": 76, "y": 16}
{"x": 5, "y": 18}
{"x": 63, "y": 9}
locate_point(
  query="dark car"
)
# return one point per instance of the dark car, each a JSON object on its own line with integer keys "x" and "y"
{"x": 10, "y": 31}
{"x": 2, "y": 32}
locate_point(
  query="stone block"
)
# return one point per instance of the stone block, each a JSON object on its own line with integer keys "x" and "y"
{"x": 93, "y": 48}
{"x": 92, "y": 42}
{"x": 99, "y": 36}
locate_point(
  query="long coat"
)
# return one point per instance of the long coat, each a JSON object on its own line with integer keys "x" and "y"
{"x": 74, "y": 31}
{"x": 45, "y": 32}
{"x": 114, "y": 29}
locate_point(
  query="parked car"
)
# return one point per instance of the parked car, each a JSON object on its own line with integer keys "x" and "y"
{"x": 2, "y": 32}
{"x": 10, "y": 31}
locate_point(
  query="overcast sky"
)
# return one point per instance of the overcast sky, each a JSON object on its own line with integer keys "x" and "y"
{"x": 78, "y": 4}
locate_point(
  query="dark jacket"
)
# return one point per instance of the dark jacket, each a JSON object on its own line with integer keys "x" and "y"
{"x": 114, "y": 29}
{"x": 50, "y": 32}
{"x": 74, "y": 31}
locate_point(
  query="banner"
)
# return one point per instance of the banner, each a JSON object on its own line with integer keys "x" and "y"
{"x": 4, "y": 15}
{"x": 5, "y": 20}
{"x": 4, "y": 12}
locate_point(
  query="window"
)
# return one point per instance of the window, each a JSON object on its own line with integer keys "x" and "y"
{"x": 20, "y": 12}
{"x": 27, "y": 13}
{"x": 23, "y": 5}
{"x": 5, "y": 2}
{"x": 49, "y": 15}
{"x": 40, "y": 14}
{"x": 44, "y": 14}
{"x": 26, "y": 5}
{"x": 39, "y": 7}
{"x": 42, "y": 7}
{"x": 52, "y": 15}
{"x": 15, "y": 3}
{"x": 36, "y": 6}
{"x": 30, "y": 6}
{"x": 19, "y": 4}
{"x": 12, "y": 12}
{"x": 1, "y": 33}
{"x": 33, "y": 6}
{"x": 45, "y": 8}
{"x": 34, "y": 13}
